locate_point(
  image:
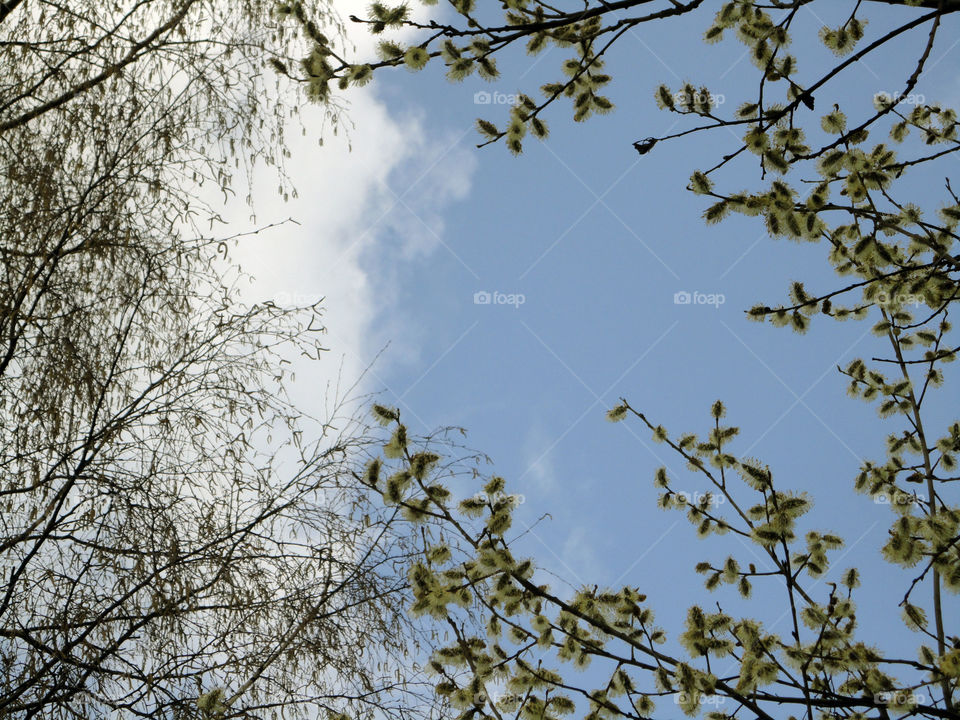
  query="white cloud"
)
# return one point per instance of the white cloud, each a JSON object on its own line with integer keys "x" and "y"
{"x": 358, "y": 230}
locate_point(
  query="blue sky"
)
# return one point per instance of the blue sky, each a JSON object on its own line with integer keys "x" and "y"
{"x": 598, "y": 240}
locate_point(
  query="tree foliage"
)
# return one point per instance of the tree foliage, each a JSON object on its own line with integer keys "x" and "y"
{"x": 836, "y": 176}
{"x": 177, "y": 539}
{"x": 825, "y": 665}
